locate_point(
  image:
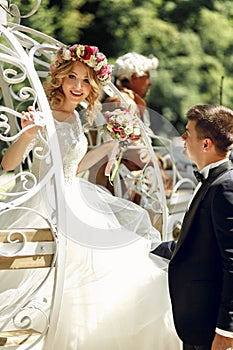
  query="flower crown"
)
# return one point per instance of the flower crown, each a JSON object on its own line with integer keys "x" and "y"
{"x": 89, "y": 55}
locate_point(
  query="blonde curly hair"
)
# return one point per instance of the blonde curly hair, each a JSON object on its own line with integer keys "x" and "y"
{"x": 55, "y": 94}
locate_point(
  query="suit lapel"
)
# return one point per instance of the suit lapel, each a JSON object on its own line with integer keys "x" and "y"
{"x": 190, "y": 214}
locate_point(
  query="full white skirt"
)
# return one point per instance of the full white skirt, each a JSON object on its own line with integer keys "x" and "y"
{"x": 115, "y": 294}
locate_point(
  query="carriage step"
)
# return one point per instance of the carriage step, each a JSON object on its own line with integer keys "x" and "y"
{"x": 18, "y": 337}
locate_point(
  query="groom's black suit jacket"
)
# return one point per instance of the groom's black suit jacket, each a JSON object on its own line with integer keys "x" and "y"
{"x": 201, "y": 267}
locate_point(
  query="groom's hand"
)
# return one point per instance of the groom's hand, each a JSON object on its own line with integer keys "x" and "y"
{"x": 222, "y": 343}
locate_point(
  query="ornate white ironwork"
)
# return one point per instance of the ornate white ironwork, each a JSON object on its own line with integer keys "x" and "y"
{"x": 12, "y": 10}
{"x": 24, "y": 315}
{"x": 14, "y": 242}
{"x": 25, "y": 55}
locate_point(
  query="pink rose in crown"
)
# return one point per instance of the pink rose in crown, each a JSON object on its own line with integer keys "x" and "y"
{"x": 105, "y": 71}
{"x": 52, "y": 67}
{"x": 100, "y": 57}
{"x": 73, "y": 50}
{"x": 74, "y": 47}
{"x": 89, "y": 51}
{"x": 90, "y": 55}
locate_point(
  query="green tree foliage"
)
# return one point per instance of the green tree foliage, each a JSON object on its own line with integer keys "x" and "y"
{"x": 59, "y": 19}
{"x": 193, "y": 40}
{"x": 43, "y": 20}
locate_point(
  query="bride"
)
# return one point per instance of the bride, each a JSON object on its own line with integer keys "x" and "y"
{"x": 115, "y": 296}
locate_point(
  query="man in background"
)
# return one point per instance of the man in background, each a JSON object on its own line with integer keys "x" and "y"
{"x": 131, "y": 75}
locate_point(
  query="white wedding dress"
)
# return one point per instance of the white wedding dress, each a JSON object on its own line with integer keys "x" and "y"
{"x": 115, "y": 293}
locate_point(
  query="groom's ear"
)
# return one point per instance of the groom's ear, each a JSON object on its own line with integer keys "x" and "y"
{"x": 207, "y": 144}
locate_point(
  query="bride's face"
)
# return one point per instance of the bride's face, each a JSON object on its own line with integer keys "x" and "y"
{"x": 76, "y": 85}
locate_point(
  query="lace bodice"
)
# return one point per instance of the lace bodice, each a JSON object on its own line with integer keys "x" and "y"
{"x": 73, "y": 147}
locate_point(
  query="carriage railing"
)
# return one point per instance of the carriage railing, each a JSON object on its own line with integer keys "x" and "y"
{"x": 147, "y": 183}
{"x": 24, "y": 62}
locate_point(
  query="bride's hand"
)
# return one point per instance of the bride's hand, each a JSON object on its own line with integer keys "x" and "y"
{"x": 111, "y": 144}
{"x": 29, "y": 119}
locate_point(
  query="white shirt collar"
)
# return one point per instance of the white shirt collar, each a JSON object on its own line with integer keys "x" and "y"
{"x": 206, "y": 169}
{"x": 205, "y": 172}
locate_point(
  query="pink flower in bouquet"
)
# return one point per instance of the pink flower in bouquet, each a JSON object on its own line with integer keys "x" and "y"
{"x": 121, "y": 125}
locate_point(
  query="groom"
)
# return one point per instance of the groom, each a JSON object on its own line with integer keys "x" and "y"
{"x": 201, "y": 266}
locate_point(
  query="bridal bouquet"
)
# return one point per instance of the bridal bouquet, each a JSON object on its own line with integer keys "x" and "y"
{"x": 122, "y": 125}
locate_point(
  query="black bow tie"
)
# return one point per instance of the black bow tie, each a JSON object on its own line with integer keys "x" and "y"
{"x": 199, "y": 176}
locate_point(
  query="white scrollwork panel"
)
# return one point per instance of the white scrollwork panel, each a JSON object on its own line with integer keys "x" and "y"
{"x": 24, "y": 62}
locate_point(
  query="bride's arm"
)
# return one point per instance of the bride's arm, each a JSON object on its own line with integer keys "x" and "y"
{"x": 15, "y": 153}
{"x": 95, "y": 155}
